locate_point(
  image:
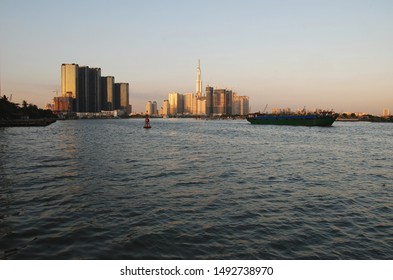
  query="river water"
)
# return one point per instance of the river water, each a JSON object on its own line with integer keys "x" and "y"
{"x": 196, "y": 189}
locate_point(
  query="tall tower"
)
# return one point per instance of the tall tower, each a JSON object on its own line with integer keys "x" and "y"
{"x": 69, "y": 80}
{"x": 199, "y": 81}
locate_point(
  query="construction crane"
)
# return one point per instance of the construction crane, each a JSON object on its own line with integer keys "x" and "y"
{"x": 265, "y": 108}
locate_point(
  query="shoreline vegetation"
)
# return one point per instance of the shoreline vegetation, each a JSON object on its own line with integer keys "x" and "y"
{"x": 12, "y": 114}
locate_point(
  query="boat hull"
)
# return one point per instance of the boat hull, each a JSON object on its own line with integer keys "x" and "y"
{"x": 308, "y": 120}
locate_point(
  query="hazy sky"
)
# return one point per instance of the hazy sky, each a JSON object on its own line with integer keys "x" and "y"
{"x": 318, "y": 54}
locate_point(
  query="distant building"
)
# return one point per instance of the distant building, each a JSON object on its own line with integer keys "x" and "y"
{"x": 175, "y": 103}
{"x": 95, "y": 90}
{"x": 91, "y": 92}
{"x": 198, "y": 90}
{"x": 122, "y": 97}
{"x": 63, "y": 104}
{"x": 69, "y": 80}
{"x": 200, "y": 106}
{"x": 165, "y": 108}
{"x": 155, "y": 110}
{"x": 107, "y": 93}
{"x": 244, "y": 105}
{"x": 386, "y": 112}
{"x": 278, "y": 111}
{"x": 216, "y": 102}
{"x": 83, "y": 95}
{"x": 240, "y": 105}
{"x": 209, "y": 100}
{"x": 149, "y": 108}
{"x": 188, "y": 100}
{"x": 219, "y": 102}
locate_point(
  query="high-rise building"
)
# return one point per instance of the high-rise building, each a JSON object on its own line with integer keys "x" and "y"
{"x": 149, "y": 108}
{"x": 91, "y": 92}
{"x": 94, "y": 89}
{"x": 219, "y": 102}
{"x": 82, "y": 100}
{"x": 107, "y": 93}
{"x": 69, "y": 80}
{"x": 188, "y": 103}
{"x": 155, "y": 110}
{"x": 121, "y": 99}
{"x": 165, "y": 108}
{"x": 386, "y": 112}
{"x": 88, "y": 98}
{"x": 175, "y": 101}
{"x": 228, "y": 102}
{"x": 209, "y": 100}
{"x": 243, "y": 106}
{"x": 198, "y": 91}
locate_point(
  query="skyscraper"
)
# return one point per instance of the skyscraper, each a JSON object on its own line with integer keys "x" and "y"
{"x": 198, "y": 92}
{"x": 89, "y": 92}
{"x": 174, "y": 103}
{"x": 228, "y": 102}
{"x": 165, "y": 108}
{"x": 69, "y": 80}
{"x": 219, "y": 102}
{"x": 149, "y": 108}
{"x": 94, "y": 89}
{"x": 209, "y": 100}
{"x": 121, "y": 99}
{"x": 82, "y": 98}
{"x": 107, "y": 92}
{"x": 188, "y": 103}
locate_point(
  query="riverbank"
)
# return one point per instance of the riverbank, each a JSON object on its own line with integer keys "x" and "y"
{"x": 33, "y": 122}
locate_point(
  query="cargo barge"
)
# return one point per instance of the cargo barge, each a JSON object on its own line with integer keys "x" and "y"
{"x": 325, "y": 119}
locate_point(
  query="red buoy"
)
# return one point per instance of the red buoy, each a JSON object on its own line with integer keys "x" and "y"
{"x": 147, "y": 122}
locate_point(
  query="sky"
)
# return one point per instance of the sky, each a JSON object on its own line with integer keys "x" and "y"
{"x": 305, "y": 53}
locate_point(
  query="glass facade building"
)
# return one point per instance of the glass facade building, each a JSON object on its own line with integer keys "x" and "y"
{"x": 69, "y": 80}
{"x": 92, "y": 93}
{"x": 107, "y": 93}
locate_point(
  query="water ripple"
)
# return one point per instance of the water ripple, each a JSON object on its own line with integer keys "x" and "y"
{"x": 188, "y": 189}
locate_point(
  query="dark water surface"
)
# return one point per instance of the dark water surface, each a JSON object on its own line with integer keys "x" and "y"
{"x": 194, "y": 189}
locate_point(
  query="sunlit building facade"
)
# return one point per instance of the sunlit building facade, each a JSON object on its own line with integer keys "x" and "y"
{"x": 165, "y": 108}
{"x": 63, "y": 104}
{"x": 122, "y": 97}
{"x": 240, "y": 105}
{"x": 149, "y": 108}
{"x": 69, "y": 80}
{"x": 188, "y": 99}
{"x": 92, "y": 93}
{"x": 175, "y": 101}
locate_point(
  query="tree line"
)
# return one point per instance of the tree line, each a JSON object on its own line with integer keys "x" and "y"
{"x": 13, "y": 111}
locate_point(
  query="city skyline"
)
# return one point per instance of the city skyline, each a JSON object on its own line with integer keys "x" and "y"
{"x": 85, "y": 90}
{"x": 324, "y": 54}
{"x": 211, "y": 102}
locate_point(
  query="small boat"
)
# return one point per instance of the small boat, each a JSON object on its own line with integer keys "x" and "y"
{"x": 147, "y": 122}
